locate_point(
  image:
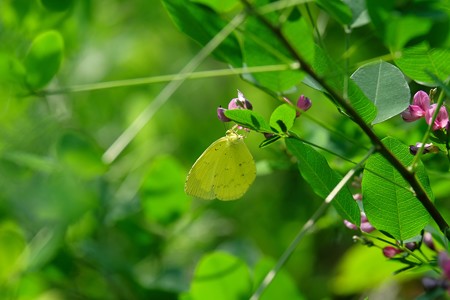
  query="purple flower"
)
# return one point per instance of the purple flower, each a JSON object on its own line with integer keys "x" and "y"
{"x": 365, "y": 224}
{"x": 364, "y": 227}
{"x": 240, "y": 102}
{"x": 236, "y": 103}
{"x": 303, "y": 103}
{"x": 441, "y": 120}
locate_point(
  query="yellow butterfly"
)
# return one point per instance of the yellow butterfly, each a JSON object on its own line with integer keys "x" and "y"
{"x": 224, "y": 171}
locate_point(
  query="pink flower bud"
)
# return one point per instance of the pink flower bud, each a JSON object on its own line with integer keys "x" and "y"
{"x": 366, "y": 227}
{"x": 428, "y": 240}
{"x": 411, "y": 246}
{"x": 390, "y": 251}
{"x": 357, "y": 197}
{"x": 221, "y": 114}
{"x": 304, "y": 103}
{"x": 350, "y": 225}
{"x": 441, "y": 120}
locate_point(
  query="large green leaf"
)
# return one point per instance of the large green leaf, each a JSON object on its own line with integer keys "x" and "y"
{"x": 388, "y": 202}
{"x": 386, "y": 86}
{"x": 419, "y": 61}
{"x": 202, "y": 24}
{"x": 315, "y": 170}
{"x": 334, "y": 77}
{"x": 43, "y": 59}
{"x": 220, "y": 276}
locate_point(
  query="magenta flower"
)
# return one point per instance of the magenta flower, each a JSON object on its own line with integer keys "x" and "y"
{"x": 304, "y": 103}
{"x": 417, "y": 110}
{"x": 441, "y": 120}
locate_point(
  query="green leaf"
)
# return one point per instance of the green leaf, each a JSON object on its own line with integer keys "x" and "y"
{"x": 220, "y": 276}
{"x": 43, "y": 59}
{"x": 297, "y": 27}
{"x": 248, "y": 119}
{"x": 269, "y": 141}
{"x": 333, "y": 75}
{"x": 202, "y": 24}
{"x": 386, "y": 86}
{"x": 315, "y": 170}
{"x": 419, "y": 61}
{"x": 263, "y": 48}
{"x": 162, "y": 195}
{"x": 337, "y": 9}
{"x": 388, "y": 202}
{"x": 282, "y": 286}
{"x": 282, "y": 118}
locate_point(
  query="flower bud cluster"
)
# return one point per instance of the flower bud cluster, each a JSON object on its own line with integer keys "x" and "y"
{"x": 365, "y": 224}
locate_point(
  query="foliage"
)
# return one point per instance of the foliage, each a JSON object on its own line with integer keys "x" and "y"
{"x": 97, "y": 140}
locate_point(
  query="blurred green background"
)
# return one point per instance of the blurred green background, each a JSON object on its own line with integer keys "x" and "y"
{"x": 75, "y": 227}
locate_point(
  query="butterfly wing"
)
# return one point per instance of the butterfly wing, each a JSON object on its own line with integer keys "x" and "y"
{"x": 236, "y": 170}
{"x": 200, "y": 180}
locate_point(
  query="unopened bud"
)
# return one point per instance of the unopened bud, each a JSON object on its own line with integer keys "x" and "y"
{"x": 428, "y": 240}
{"x": 350, "y": 225}
{"x": 390, "y": 251}
{"x": 304, "y": 103}
{"x": 221, "y": 114}
{"x": 411, "y": 246}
